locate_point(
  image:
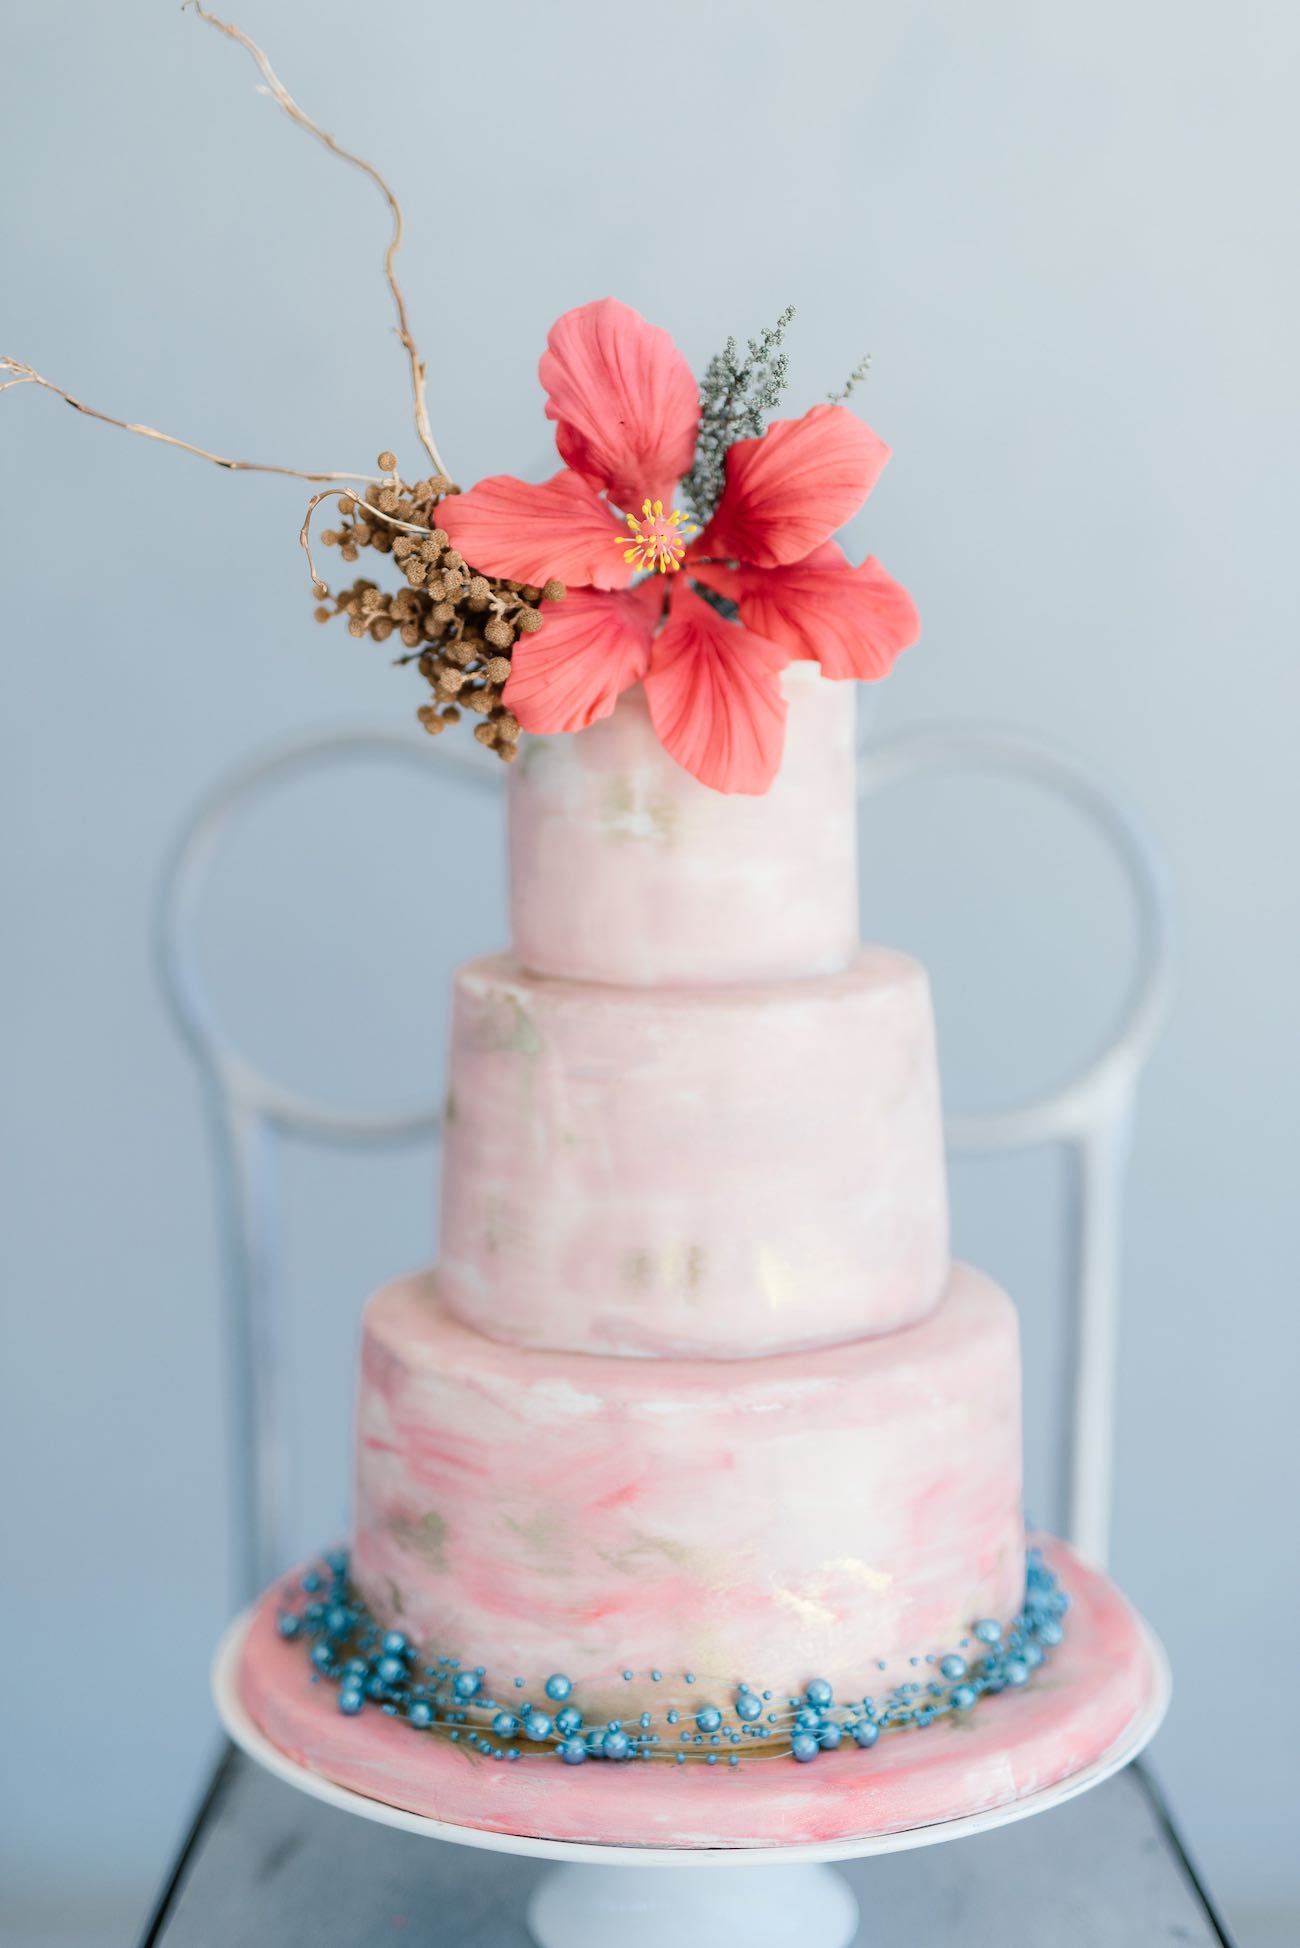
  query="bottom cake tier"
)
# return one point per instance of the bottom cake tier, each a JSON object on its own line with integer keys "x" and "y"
{"x": 657, "y": 1533}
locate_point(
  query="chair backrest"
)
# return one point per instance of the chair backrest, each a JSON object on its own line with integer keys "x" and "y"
{"x": 250, "y": 1113}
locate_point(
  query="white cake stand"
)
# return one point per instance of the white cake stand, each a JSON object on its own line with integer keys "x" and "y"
{"x": 646, "y": 1897}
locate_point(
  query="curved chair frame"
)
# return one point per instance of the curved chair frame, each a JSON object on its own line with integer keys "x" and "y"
{"x": 250, "y": 1113}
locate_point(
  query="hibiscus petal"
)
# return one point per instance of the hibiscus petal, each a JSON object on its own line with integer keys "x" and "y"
{"x": 715, "y": 698}
{"x": 853, "y": 621}
{"x": 792, "y": 487}
{"x": 625, "y": 404}
{"x": 529, "y": 533}
{"x": 590, "y": 648}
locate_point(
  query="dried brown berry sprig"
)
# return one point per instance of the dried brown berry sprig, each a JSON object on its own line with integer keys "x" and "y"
{"x": 457, "y": 626}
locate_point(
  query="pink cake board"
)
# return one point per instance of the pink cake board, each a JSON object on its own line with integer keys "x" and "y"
{"x": 1083, "y": 1715}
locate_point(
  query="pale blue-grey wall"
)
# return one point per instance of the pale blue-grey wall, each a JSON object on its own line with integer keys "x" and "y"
{"x": 1065, "y": 234}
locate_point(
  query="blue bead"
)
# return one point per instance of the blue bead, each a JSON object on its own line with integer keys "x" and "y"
{"x": 1050, "y": 1632}
{"x": 311, "y": 1582}
{"x": 749, "y": 1707}
{"x": 953, "y": 1666}
{"x": 655, "y": 1676}
{"x": 519, "y": 1684}
{"x": 962, "y": 1697}
{"x": 733, "y": 1760}
{"x": 616, "y": 1745}
{"x": 988, "y": 1630}
{"x": 395, "y": 1644}
{"x": 537, "y": 1726}
{"x": 627, "y": 1677}
{"x": 338, "y": 1620}
{"x": 819, "y": 1692}
{"x": 350, "y": 1700}
{"x": 558, "y": 1687}
{"x": 690, "y": 1677}
{"x": 573, "y": 1751}
{"x": 804, "y": 1746}
{"x": 1016, "y": 1670}
{"x": 464, "y": 1684}
{"x": 595, "y": 1744}
{"x": 287, "y": 1624}
{"x": 568, "y": 1721}
{"x": 389, "y": 1670}
{"x": 865, "y": 1734}
{"x": 673, "y": 1716}
{"x": 420, "y": 1713}
{"x": 322, "y": 1656}
{"x": 505, "y": 1724}
{"x": 829, "y": 1736}
{"x": 709, "y": 1719}
{"x": 337, "y": 1560}
{"x": 646, "y": 1721}
{"x": 807, "y": 1718}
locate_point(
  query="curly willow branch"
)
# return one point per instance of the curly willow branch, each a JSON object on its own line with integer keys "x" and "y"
{"x": 286, "y": 101}
{"x": 26, "y": 375}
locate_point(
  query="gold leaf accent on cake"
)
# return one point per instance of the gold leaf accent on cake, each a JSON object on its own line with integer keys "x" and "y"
{"x": 637, "y": 1266}
{"x": 505, "y": 1027}
{"x": 424, "y": 1536}
{"x": 853, "y": 1569}
{"x": 775, "y": 1278}
{"x": 545, "y": 1543}
{"x": 624, "y": 814}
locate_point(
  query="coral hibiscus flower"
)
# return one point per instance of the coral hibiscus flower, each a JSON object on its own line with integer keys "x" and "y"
{"x": 627, "y": 414}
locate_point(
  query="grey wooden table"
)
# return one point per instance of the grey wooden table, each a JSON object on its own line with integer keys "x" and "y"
{"x": 266, "y": 1867}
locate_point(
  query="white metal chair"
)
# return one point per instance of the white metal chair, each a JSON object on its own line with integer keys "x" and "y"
{"x": 251, "y": 1114}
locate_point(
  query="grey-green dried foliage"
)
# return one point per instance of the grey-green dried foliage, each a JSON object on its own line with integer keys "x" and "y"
{"x": 736, "y": 396}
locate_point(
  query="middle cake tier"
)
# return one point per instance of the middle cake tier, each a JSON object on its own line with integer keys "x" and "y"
{"x": 718, "y": 1172}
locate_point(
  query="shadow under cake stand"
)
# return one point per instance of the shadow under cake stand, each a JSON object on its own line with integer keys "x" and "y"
{"x": 629, "y": 1841}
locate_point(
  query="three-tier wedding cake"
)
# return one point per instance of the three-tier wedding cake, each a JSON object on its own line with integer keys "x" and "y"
{"x": 695, "y": 1450}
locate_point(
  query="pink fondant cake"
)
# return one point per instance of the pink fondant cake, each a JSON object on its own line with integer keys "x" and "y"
{"x": 694, "y": 1385}
{"x": 694, "y": 1431}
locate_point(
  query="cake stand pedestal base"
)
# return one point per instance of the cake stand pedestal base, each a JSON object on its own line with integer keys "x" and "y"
{"x": 651, "y": 1907}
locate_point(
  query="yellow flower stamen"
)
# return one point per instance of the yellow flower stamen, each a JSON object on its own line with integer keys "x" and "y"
{"x": 658, "y": 539}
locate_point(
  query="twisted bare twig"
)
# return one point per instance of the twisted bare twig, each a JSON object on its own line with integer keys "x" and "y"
{"x": 286, "y": 101}
{"x": 26, "y": 375}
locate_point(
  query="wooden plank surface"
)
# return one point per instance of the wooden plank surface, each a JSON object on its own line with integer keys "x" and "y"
{"x": 267, "y": 1867}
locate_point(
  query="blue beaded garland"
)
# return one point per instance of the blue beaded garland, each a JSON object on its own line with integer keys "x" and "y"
{"x": 382, "y": 1667}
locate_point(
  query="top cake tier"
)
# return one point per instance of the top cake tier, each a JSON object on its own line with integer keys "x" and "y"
{"x": 625, "y": 869}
